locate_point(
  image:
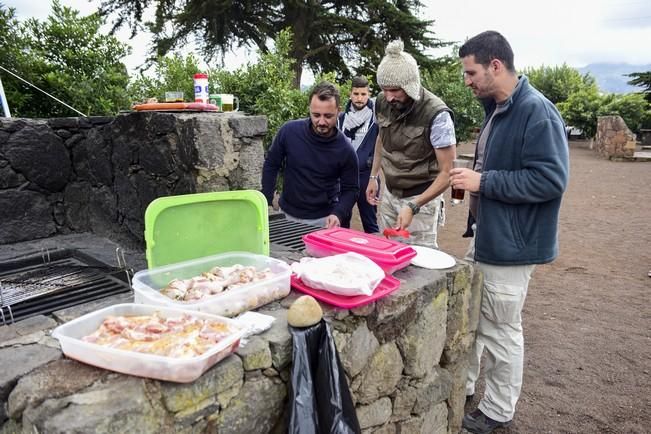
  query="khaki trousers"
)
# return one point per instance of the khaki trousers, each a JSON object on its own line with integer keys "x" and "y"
{"x": 499, "y": 332}
{"x": 424, "y": 225}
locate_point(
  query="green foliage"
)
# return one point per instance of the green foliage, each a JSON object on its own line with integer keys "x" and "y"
{"x": 580, "y": 103}
{"x": 11, "y": 57}
{"x": 632, "y": 107}
{"x": 581, "y": 110}
{"x": 583, "y": 107}
{"x": 67, "y": 57}
{"x": 266, "y": 87}
{"x": 557, "y": 83}
{"x": 171, "y": 73}
{"x": 447, "y": 83}
{"x": 642, "y": 79}
{"x": 327, "y": 36}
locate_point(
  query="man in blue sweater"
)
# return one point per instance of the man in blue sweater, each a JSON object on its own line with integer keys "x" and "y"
{"x": 357, "y": 122}
{"x": 520, "y": 172}
{"x": 320, "y": 168}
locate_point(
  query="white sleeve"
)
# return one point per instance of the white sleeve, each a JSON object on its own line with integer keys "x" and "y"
{"x": 442, "y": 131}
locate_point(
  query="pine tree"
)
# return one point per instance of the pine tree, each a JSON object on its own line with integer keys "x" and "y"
{"x": 338, "y": 36}
{"x": 642, "y": 79}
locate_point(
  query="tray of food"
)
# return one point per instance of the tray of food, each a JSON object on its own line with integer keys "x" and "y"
{"x": 176, "y": 107}
{"x": 224, "y": 284}
{"x": 156, "y": 342}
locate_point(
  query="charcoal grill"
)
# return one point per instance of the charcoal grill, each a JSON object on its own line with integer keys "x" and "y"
{"x": 43, "y": 282}
{"x": 288, "y": 233}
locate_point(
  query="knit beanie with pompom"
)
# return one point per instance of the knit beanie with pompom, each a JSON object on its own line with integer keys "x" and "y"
{"x": 399, "y": 69}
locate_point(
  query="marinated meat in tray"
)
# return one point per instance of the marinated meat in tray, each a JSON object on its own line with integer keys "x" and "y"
{"x": 183, "y": 336}
{"x": 215, "y": 281}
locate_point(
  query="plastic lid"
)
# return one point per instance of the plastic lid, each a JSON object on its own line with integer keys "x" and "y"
{"x": 200, "y": 75}
{"x": 388, "y": 285}
{"x": 371, "y": 246}
{"x": 179, "y": 228}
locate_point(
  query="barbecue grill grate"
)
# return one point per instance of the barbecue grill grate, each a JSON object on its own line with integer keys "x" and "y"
{"x": 42, "y": 283}
{"x": 289, "y": 233}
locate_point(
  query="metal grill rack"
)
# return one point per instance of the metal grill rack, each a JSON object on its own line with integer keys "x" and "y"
{"x": 47, "y": 281}
{"x": 289, "y": 233}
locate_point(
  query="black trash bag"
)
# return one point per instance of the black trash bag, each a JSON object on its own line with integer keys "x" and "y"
{"x": 319, "y": 400}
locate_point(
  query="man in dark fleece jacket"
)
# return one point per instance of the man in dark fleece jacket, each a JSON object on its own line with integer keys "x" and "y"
{"x": 520, "y": 172}
{"x": 320, "y": 184}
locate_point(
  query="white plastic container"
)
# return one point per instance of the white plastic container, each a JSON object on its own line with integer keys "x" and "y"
{"x": 141, "y": 364}
{"x": 201, "y": 91}
{"x": 148, "y": 283}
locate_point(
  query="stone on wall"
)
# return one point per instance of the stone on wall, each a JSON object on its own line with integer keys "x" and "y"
{"x": 256, "y": 409}
{"x": 433, "y": 389}
{"x": 255, "y": 354}
{"x": 17, "y": 362}
{"x": 280, "y": 341}
{"x": 380, "y": 376}
{"x": 374, "y": 414}
{"x": 39, "y": 154}
{"x": 25, "y": 327}
{"x": 358, "y": 349}
{"x": 92, "y": 159}
{"x": 251, "y": 126}
{"x": 4, "y": 136}
{"x": 25, "y": 215}
{"x": 112, "y": 168}
{"x": 456, "y": 401}
{"x": 45, "y": 383}
{"x": 422, "y": 342}
{"x": 8, "y": 177}
{"x": 121, "y": 404}
{"x": 462, "y": 315}
{"x": 391, "y": 314}
{"x": 226, "y": 375}
{"x": 614, "y": 140}
{"x": 102, "y": 211}
{"x": 196, "y": 416}
{"x": 76, "y": 198}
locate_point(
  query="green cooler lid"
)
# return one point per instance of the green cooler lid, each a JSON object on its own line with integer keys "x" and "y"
{"x": 190, "y": 226}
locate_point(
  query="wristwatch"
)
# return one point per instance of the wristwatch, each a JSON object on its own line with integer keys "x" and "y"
{"x": 414, "y": 208}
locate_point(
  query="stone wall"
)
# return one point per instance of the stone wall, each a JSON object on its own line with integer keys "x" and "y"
{"x": 614, "y": 140}
{"x": 404, "y": 357}
{"x": 98, "y": 174}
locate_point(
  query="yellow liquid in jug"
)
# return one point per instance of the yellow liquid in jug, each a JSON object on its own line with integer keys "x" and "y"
{"x": 227, "y": 107}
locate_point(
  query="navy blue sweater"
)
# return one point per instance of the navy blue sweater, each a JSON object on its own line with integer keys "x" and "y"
{"x": 524, "y": 175}
{"x": 320, "y": 173}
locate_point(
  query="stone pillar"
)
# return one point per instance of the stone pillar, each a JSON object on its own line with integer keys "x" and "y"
{"x": 614, "y": 140}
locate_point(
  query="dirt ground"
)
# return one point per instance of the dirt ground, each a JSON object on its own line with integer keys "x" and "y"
{"x": 587, "y": 321}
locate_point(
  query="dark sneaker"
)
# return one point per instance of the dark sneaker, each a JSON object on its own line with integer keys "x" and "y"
{"x": 478, "y": 423}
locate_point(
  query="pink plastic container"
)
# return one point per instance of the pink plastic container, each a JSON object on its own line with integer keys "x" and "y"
{"x": 390, "y": 255}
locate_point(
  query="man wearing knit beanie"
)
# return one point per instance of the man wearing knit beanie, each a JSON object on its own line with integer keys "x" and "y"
{"x": 415, "y": 149}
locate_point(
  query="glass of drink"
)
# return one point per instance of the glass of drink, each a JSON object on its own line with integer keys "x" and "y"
{"x": 173, "y": 96}
{"x": 458, "y": 193}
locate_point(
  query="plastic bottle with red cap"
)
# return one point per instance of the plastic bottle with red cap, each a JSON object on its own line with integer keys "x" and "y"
{"x": 201, "y": 91}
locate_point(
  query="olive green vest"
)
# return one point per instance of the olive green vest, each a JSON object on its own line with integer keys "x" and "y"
{"x": 408, "y": 159}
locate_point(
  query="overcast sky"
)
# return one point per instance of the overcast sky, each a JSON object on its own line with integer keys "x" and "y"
{"x": 548, "y": 32}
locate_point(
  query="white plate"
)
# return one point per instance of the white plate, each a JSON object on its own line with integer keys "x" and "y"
{"x": 432, "y": 259}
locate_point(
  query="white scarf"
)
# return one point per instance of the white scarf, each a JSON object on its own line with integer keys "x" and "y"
{"x": 356, "y": 125}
